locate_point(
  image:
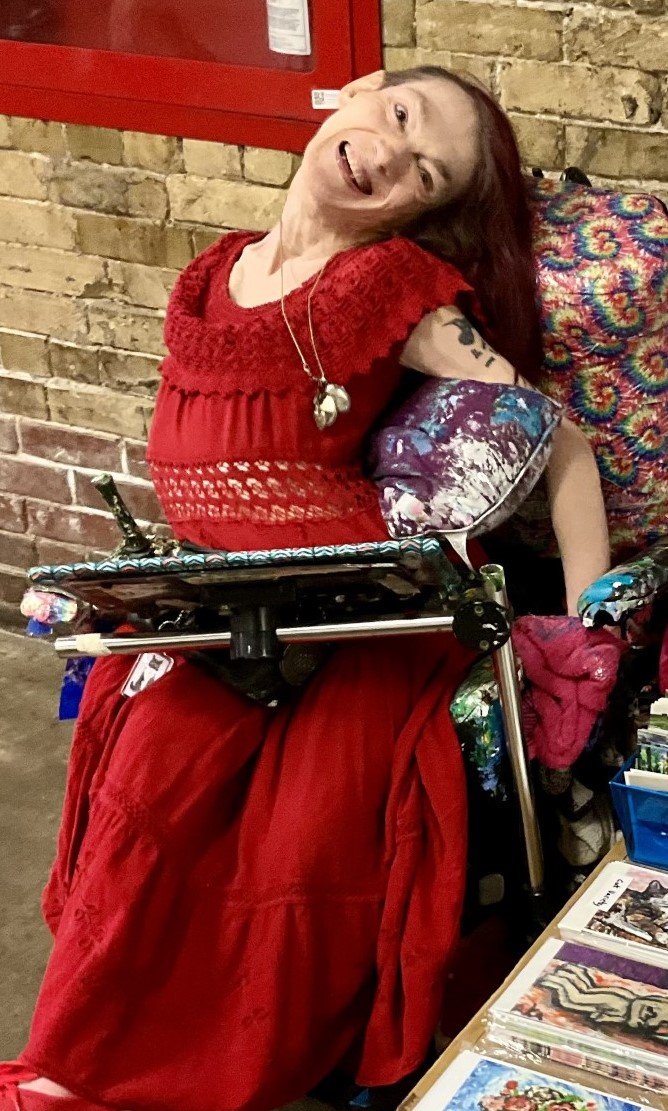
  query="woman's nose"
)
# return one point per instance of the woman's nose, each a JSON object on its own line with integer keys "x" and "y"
{"x": 392, "y": 158}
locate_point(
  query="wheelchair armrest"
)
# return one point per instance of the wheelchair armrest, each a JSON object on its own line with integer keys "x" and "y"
{"x": 626, "y": 589}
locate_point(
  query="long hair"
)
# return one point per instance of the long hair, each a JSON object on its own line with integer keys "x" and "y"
{"x": 486, "y": 233}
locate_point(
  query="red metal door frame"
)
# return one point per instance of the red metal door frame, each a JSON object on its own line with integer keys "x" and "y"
{"x": 173, "y": 96}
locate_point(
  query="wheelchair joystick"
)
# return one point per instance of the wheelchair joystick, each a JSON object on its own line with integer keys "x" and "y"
{"x": 135, "y": 543}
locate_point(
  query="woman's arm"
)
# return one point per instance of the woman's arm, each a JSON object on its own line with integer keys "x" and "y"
{"x": 446, "y": 345}
{"x": 577, "y": 510}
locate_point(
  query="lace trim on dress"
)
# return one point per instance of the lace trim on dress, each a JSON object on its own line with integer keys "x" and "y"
{"x": 367, "y": 303}
{"x": 262, "y": 492}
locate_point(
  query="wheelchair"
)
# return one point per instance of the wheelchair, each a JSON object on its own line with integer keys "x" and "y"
{"x": 261, "y": 620}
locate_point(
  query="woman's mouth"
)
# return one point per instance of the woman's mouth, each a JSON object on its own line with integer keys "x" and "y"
{"x": 352, "y": 169}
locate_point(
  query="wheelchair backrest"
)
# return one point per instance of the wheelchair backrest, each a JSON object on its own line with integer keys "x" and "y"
{"x": 603, "y": 285}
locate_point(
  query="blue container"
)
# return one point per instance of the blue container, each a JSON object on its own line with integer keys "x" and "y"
{"x": 643, "y": 815}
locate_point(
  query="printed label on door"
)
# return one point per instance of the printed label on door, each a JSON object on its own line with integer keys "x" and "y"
{"x": 149, "y": 667}
{"x": 289, "y": 27}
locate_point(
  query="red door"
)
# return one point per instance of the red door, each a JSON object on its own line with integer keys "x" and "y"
{"x": 204, "y": 69}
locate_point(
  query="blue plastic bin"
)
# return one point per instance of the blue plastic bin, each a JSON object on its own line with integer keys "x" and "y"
{"x": 643, "y": 815}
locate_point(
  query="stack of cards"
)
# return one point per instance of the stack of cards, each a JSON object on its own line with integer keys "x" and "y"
{"x": 475, "y": 1083}
{"x": 591, "y": 1009}
{"x": 625, "y": 911}
{"x": 650, "y": 769}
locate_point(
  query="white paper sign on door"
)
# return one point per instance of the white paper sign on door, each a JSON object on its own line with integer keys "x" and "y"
{"x": 289, "y": 27}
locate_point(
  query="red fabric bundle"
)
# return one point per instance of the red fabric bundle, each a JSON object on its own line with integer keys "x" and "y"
{"x": 570, "y": 672}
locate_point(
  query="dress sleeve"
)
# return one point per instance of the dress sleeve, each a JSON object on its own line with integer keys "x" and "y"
{"x": 390, "y": 287}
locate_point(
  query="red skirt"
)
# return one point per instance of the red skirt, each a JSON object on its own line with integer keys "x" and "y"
{"x": 244, "y": 897}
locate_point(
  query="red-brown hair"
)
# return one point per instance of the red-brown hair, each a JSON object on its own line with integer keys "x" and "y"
{"x": 486, "y": 233}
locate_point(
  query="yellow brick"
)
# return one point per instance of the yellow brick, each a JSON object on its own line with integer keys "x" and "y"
{"x": 229, "y": 204}
{"x": 269, "y": 167}
{"x": 398, "y": 22}
{"x": 399, "y": 57}
{"x": 94, "y": 144}
{"x": 113, "y": 325}
{"x": 70, "y": 360}
{"x": 616, "y": 153}
{"x": 24, "y": 175}
{"x": 211, "y": 159}
{"x": 468, "y": 65}
{"x": 45, "y": 313}
{"x": 24, "y": 351}
{"x": 33, "y": 222}
{"x": 5, "y": 134}
{"x": 152, "y": 152}
{"x": 39, "y": 136}
{"x": 604, "y": 93}
{"x": 203, "y": 238}
{"x": 52, "y": 271}
{"x": 133, "y": 240}
{"x": 96, "y": 407}
{"x": 649, "y": 7}
{"x": 541, "y": 142}
{"x": 147, "y": 286}
{"x": 605, "y": 38}
{"x": 147, "y": 197}
{"x": 121, "y": 370}
{"x": 465, "y": 26}
{"x": 84, "y": 185}
{"x": 20, "y": 395}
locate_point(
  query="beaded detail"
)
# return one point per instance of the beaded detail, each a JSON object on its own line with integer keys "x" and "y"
{"x": 263, "y": 492}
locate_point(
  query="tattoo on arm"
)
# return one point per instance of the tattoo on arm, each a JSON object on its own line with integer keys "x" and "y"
{"x": 470, "y": 338}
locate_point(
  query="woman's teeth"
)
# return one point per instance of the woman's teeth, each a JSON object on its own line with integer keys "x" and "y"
{"x": 358, "y": 174}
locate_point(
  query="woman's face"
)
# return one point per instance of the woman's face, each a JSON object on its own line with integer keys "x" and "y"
{"x": 390, "y": 154}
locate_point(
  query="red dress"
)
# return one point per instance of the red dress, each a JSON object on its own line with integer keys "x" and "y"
{"x": 245, "y": 897}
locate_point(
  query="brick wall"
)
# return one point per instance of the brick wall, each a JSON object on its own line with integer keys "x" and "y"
{"x": 95, "y": 225}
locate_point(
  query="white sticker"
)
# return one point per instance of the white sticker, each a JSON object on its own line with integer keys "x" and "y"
{"x": 149, "y": 667}
{"x": 325, "y": 99}
{"x": 289, "y": 27}
{"x": 608, "y": 898}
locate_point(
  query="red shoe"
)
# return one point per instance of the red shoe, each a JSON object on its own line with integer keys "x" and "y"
{"x": 13, "y": 1098}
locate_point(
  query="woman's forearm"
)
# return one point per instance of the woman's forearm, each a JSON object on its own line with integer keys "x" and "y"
{"x": 578, "y": 511}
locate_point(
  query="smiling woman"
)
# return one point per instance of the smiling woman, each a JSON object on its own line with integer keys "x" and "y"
{"x": 240, "y": 903}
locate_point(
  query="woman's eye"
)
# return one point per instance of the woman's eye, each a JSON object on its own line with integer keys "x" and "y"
{"x": 427, "y": 180}
{"x": 401, "y": 114}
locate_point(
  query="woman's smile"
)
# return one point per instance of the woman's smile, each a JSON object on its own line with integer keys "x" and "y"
{"x": 353, "y": 169}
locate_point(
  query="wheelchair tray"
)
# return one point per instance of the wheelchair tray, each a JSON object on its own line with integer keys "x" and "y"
{"x": 210, "y": 579}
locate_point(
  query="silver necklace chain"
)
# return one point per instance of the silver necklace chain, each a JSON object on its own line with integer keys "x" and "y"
{"x": 330, "y": 399}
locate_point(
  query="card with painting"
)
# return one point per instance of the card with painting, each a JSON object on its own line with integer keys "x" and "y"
{"x": 612, "y": 1009}
{"x": 478, "y": 1083}
{"x": 624, "y": 911}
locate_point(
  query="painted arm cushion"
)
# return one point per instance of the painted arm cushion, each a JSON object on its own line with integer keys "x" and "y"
{"x": 460, "y": 456}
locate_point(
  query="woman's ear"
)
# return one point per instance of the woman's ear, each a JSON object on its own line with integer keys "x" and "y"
{"x": 371, "y": 83}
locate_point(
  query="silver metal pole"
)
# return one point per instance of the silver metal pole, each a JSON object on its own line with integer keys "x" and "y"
{"x": 505, "y": 666}
{"x": 94, "y": 644}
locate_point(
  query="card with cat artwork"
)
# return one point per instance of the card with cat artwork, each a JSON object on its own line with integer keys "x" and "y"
{"x": 605, "y": 1008}
{"x": 624, "y": 911}
{"x": 477, "y": 1083}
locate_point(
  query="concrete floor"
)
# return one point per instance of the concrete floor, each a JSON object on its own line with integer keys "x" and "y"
{"x": 33, "y": 756}
{"x": 34, "y": 747}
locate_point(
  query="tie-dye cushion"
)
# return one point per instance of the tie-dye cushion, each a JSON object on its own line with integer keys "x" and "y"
{"x": 603, "y": 278}
{"x": 459, "y": 456}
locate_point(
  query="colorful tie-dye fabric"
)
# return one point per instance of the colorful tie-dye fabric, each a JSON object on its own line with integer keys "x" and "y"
{"x": 603, "y": 279}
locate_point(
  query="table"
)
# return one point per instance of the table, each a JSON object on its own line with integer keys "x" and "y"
{"x": 472, "y": 1034}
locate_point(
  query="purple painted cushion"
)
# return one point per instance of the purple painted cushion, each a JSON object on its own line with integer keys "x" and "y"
{"x": 459, "y": 457}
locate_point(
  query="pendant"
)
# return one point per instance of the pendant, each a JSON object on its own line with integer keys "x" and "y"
{"x": 328, "y": 403}
{"x": 340, "y": 395}
{"x": 324, "y": 410}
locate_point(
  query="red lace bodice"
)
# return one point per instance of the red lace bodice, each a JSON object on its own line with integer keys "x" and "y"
{"x": 235, "y": 455}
